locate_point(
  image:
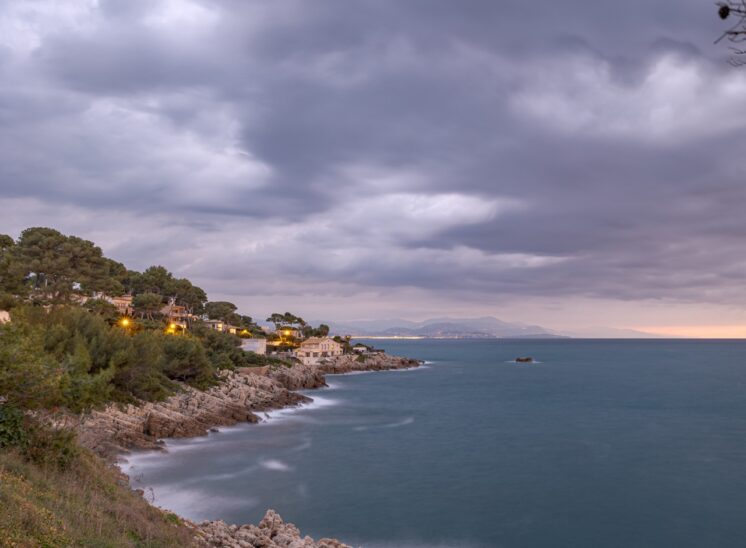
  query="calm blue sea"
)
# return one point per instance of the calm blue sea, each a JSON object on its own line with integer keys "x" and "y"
{"x": 602, "y": 444}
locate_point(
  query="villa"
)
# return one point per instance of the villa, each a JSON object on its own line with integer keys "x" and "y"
{"x": 313, "y": 350}
{"x": 223, "y": 327}
{"x": 177, "y": 314}
{"x": 123, "y": 304}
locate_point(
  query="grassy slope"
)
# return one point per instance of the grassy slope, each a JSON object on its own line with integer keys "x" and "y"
{"x": 86, "y": 505}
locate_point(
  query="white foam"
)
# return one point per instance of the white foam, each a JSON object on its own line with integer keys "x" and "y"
{"x": 404, "y": 422}
{"x": 317, "y": 402}
{"x": 274, "y": 464}
{"x": 405, "y": 369}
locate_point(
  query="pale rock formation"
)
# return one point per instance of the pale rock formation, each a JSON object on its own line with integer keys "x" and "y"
{"x": 272, "y": 532}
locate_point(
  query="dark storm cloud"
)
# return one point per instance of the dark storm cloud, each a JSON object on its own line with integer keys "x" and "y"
{"x": 533, "y": 148}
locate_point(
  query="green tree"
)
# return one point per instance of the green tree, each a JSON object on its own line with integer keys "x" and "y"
{"x": 11, "y": 277}
{"x": 222, "y": 310}
{"x": 102, "y": 308}
{"x": 190, "y": 296}
{"x": 57, "y": 266}
{"x": 147, "y": 305}
{"x": 286, "y": 320}
{"x": 155, "y": 279}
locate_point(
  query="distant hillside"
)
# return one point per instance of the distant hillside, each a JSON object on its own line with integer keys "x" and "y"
{"x": 452, "y": 328}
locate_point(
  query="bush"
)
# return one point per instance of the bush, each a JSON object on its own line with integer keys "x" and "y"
{"x": 185, "y": 359}
{"x": 12, "y": 430}
{"x": 28, "y": 377}
{"x": 37, "y": 443}
{"x": 49, "y": 447}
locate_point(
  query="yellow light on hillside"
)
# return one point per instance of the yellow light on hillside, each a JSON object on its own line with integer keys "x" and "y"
{"x": 172, "y": 326}
{"x": 124, "y": 322}
{"x": 286, "y": 332}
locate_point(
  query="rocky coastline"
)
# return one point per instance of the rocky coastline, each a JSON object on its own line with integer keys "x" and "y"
{"x": 238, "y": 398}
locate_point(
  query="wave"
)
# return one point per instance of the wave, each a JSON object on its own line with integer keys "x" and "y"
{"x": 404, "y": 422}
{"x": 317, "y": 402}
{"x": 276, "y": 465}
{"x": 406, "y": 369}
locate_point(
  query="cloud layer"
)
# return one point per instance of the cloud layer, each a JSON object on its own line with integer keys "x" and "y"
{"x": 367, "y": 158}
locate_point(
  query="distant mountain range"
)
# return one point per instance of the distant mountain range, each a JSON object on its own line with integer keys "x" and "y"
{"x": 445, "y": 328}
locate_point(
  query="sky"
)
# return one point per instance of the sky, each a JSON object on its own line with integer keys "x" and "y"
{"x": 572, "y": 164}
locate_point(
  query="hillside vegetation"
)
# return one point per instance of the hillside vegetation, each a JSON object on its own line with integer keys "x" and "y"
{"x": 68, "y": 349}
{"x": 85, "y": 503}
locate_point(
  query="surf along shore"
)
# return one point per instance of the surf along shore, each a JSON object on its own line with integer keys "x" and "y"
{"x": 241, "y": 394}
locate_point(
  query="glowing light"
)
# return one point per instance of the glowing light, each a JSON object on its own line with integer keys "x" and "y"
{"x": 124, "y": 322}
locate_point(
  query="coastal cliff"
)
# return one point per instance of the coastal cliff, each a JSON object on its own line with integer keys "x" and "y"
{"x": 238, "y": 397}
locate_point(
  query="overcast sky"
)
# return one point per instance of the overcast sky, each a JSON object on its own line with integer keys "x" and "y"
{"x": 572, "y": 164}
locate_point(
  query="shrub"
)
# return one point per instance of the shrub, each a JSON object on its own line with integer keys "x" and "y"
{"x": 50, "y": 447}
{"x": 28, "y": 377}
{"x": 12, "y": 430}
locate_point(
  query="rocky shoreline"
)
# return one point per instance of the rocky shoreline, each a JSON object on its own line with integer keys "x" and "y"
{"x": 238, "y": 398}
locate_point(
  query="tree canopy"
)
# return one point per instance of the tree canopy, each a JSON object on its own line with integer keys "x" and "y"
{"x": 49, "y": 266}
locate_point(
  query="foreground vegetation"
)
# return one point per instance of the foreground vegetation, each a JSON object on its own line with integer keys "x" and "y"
{"x": 67, "y": 348}
{"x": 85, "y": 503}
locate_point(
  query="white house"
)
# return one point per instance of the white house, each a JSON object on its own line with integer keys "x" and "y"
{"x": 4, "y": 316}
{"x": 258, "y": 346}
{"x": 313, "y": 350}
{"x": 219, "y": 325}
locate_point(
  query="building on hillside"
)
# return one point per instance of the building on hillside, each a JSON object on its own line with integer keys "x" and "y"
{"x": 177, "y": 314}
{"x": 223, "y": 327}
{"x": 258, "y": 346}
{"x": 123, "y": 304}
{"x": 313, "y": 350}
{"x": 4, "y": 316}
{"x": 289, "y": 333}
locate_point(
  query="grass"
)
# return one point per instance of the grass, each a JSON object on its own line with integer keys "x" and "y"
{"x": 87, "y": 504}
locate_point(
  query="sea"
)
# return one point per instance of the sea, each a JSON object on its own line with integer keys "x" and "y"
{"x": 599, "y": 443}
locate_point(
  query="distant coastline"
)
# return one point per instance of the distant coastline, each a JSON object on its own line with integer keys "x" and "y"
{"x": 471, "y": 337}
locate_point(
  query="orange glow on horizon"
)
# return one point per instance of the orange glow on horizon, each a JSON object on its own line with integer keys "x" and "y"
{"x": 697, "y": 331}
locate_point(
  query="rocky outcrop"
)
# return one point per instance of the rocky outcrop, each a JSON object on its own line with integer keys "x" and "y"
{"x": 189, "y": 413}
{"x": 236, "y": 399}
{"x": 272, "y": 532}
{"x": 366, "y": 362}
{"x": 298, "y": 377}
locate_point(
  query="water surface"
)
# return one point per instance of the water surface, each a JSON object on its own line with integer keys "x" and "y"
{"x": 603, "y": 443}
